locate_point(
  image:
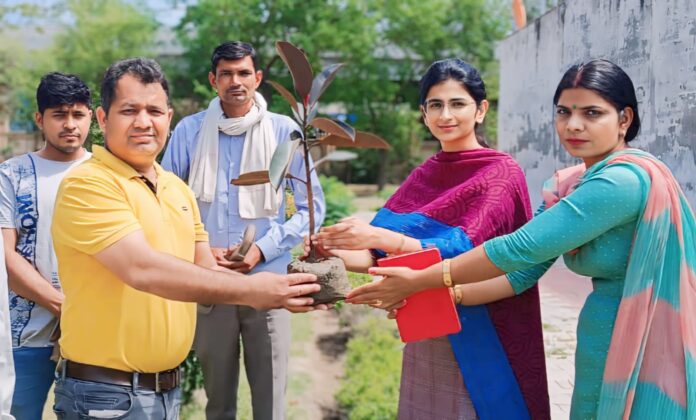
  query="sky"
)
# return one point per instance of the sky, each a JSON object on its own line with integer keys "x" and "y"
{"x": 167, "y": 12}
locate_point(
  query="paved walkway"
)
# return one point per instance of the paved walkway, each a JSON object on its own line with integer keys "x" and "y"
{"x": 562, "y": 295}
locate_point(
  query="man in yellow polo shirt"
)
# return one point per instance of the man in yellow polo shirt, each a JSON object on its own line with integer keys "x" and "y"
{"x": 126, "y": 233}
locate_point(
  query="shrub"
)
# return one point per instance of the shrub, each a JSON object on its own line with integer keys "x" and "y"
{"x": 387, "y": 192}
{"x": 370, "y": 389}
{"x": 191, "y": 378}
{"x": 339, "y": 199}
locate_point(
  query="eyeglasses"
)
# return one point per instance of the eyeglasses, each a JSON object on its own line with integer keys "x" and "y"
{"x": 435, "y": 107}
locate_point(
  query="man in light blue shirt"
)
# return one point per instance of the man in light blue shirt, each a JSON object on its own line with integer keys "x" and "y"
{"x": 234, "y": 136}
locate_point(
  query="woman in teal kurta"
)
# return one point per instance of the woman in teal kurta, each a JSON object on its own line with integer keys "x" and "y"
{"x": 619, "y": 218}
{"x": 600, "y": 219}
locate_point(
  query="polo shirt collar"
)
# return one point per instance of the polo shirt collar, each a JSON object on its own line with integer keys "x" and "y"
{"x": 119, "y": 166}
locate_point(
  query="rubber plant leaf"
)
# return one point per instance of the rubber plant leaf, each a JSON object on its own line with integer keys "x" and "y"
{"x": 322, "y": 81}
{"x": 299, "y": 68}
{"x": 252, "y": 178}
{"x": 281, "y": 161}
{"x": 285, "y": 94}
{"x": 336, "y": 156}
{"x": 300, "y": 114}
{"x": 336, "y": 127}
{"x": 363, "y": 140}
{"x": 314, "y": 108}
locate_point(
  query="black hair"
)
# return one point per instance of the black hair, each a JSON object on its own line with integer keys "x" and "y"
{"x": 144, "y": 69}
{"x": 57, "y": 89}
{"x": 608, "y": 81}
{"x": 460, "y": 71}
{"x": 232, "y": 50}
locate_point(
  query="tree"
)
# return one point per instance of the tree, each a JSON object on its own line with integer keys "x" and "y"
{"x": 15, "y": 79}
{"x": 386, "y": 44}
{"x": 18, "y": 10}
{"x": 100, "y": 33}
{"x": 417, "y": 33}
{"x": 5, "y": 84}
{"x": 92, "y": 36}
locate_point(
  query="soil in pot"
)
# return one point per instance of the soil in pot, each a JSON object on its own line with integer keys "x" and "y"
{"x": 331, "y": 275}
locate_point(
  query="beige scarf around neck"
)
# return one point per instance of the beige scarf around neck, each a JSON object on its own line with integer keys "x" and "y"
{"x": 255, "y": 201}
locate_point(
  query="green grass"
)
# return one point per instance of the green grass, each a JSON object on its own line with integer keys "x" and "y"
{"x": 301, "y": 325}
{"x": 298, "y": 384}
{"x": 387, "y": 192}
{"x": 355, "y": 280}
{"x": 370, "y": 388}
{"x": 358, "y": 279}
{"x": 192, "y": 411}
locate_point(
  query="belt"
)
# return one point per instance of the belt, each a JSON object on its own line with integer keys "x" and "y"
{"x": 158, "y": 382}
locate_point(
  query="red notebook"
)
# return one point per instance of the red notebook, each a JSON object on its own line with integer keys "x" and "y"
{"x": 427, "y": 314}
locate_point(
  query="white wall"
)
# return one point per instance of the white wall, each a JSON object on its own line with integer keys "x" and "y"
{"x": 654, "y": 41}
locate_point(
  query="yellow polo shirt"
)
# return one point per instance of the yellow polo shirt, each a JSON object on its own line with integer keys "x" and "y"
{"x": 105, "y": 322}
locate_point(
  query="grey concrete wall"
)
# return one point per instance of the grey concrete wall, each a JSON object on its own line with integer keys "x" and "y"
{"x": 654, "y": 41}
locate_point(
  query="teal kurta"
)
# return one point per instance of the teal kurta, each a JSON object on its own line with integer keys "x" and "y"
{"x": 598, "y": 220}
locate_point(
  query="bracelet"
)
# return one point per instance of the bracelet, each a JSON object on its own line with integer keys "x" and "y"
{"x": 457, "y": 295}
{"x": 402, "y": 242}
{"x": 446, "y": 277}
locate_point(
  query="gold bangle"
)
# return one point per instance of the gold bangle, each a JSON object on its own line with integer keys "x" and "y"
{"x": 446, "y": 277}
{"x": 457, "y": 294}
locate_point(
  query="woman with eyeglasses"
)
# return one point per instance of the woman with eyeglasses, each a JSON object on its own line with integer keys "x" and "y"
{"x": 620, "y": 218}
{"x": 460, "y": 197}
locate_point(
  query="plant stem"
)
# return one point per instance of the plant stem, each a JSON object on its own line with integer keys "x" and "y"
{"x": 308, "y": 185}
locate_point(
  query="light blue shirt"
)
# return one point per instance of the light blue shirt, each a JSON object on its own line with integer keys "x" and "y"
{"x": 275, "y": 236}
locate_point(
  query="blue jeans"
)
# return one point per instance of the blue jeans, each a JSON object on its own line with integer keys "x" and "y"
{"x": 34, "y": 375}
{"x": 76, "y": 399}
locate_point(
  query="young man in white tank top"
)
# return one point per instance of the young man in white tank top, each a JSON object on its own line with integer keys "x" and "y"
{"x": 28, "y": 188}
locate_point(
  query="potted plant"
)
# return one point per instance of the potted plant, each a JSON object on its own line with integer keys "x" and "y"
{"x": 316, "y": 131}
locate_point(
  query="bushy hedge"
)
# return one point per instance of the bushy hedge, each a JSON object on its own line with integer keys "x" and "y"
{"x": 191, "y": 378}
{"x": 339, "y": 199}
